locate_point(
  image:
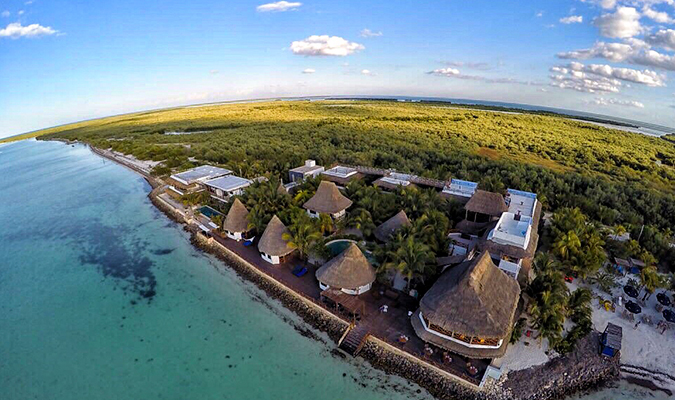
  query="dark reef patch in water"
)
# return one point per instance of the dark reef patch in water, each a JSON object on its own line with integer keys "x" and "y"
{"x": 104, "y": 248}
{"x": 162, "y": 252}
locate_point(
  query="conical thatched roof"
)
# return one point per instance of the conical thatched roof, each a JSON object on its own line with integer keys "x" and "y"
{"x": 271, "y": 242}
{"x": 327, "y": 199}
{"x": 348, "y": 270}
{"x": 475, "y": 299}
{"x": 489, "y": 203}
{"x": 386, "y": 229}
{"x": 237, "y": 218}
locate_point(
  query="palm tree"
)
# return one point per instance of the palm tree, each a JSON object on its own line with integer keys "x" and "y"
{"x": 605, "y": 281}
{"x": 258, "y": 219}
{"x": 411, "y": 258}
{"x": 325, "y": 224}
{"x": 544, "y": 263}
{"x": 548, "y": 316}
{"x": 618, "y": 231}
{"x": 650, "y": 281}
{"x": 362, "y": 220}
{"x": 303, "y": 233}
{"x": 567, "y": 245}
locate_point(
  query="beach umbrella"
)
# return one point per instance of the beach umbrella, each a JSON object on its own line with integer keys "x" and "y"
{"x": 669, "y": 315}
{"x": 663, "y": 299}
{"x": 633, "y": 307}
{"x": 630, "y": 291}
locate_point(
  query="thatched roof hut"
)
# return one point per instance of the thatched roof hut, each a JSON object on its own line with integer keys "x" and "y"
{"x": 271, "y": 242}
{"x": 348, "y": 270}
{"x": 327, "y": 199}
{"x": 474, "y": 299}
{"x": 388, "y": 227}
{"x": 488, "y": 203}
{"x": 237, "y": 218}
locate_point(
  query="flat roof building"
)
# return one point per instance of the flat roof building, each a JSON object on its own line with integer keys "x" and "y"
{"x": 190, "y": 180}
{"x": 226, "y": 186}
{"x": 341, "y": 175}
{"x": 309, "y": 170}
{"x": 459, "y": 190}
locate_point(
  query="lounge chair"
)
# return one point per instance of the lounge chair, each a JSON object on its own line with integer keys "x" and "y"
{"x": 299, "y": 270}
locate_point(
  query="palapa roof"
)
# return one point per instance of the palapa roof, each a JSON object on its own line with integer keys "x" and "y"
{"x": 348, "y": 270}
{"x": 475, "y": 298}
{"x": 489, "y": 203}
{"x": 327, "y": 199}
{"x": 271, "y": 242}
{"x": 388, "y": 227}
{"x": 237, "y": 218}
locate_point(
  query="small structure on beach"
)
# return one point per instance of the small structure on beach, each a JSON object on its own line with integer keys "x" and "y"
{"x": 349, "y": 271}
{"x": 189, "y": 181}
{"x": 610, "y": 344}
{"x": 236, "y": 222}
{"x": 390, "y": 226}
{"x": 327, "y": 200}
{"x": 309, "y": 170}
{"x": 272, "y": 246}
{"x": 469, "y": 310}
{"x": 225, "y": 187}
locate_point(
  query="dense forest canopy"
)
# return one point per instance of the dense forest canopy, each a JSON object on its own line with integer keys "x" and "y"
{"x": 614, "y": 177}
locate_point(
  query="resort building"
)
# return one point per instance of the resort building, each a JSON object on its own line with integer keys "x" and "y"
{"x": 513, "y": 240}
{"x": 393, "y": 181}
{"x": 309, "y": 170}
{"x": 189, "y": 181}
{"x": 327, "y": 200}
{"x": 349, "y": 271}
{"x": 225, "y": 187}
{"x": 384, "y": 232}
{"x": 272, "y": 246}
{"x": 341, "y": 175}
{"x": 236, "y": 222}
{"x": 470, "y": 310}
{"x": 459, "y": 190}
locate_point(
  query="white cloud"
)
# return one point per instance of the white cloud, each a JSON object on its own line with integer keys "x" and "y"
{"x": 16, "y": 30}
{"x": 624, "y": 23}
{"x": 324, "y": 45}
{"x": 445, "y": 72}
{"x": 601, "y": 101}
{"x": 658, "y": 16}
{"x": 634, "y": 51}
{"x": 308, "y": 71}
{"x": 455, "y": 73}
{"x": 20, "y": 12}
{"x": 539, "y": 14}
{"x": 472, "y": 65}
{"x": 367, "y": 33}
{"x": 665, "y": 38}
{"x": 214, "y": 72}
{"x": 645, "y": 77}
{"x": 567, "y": 78}
{"x": 367, "y": 72}
{"x": 606, "y": 4}
{"x": 279, "y": 6}
{"x": 572, "y": 19}
{"x": 5, "y": 14}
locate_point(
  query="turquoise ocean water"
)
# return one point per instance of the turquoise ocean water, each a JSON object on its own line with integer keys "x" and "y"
{"x": 103, "y": 297}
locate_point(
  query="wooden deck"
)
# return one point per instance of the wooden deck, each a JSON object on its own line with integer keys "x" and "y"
{"x": 387, "y": 327}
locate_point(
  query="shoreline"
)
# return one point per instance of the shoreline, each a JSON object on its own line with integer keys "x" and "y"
{"x": 556, "y": 383}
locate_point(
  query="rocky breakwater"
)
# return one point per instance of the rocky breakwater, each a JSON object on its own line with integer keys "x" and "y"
{"x": 582, "y": 369}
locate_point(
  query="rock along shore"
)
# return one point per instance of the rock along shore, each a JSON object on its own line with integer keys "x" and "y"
{"x": 583, "y": 369}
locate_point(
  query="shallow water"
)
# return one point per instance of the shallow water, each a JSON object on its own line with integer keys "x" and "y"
{"x": 103, "y": 297}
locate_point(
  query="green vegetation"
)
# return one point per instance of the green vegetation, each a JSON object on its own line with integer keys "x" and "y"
{"x": 613, "y": 177}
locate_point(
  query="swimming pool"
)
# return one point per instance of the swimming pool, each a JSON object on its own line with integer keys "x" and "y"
{"x": 209, "y": 212}
{"x": 338, "y": 246}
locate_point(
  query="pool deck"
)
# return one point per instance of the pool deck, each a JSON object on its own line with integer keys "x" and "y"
{"x": 384, "y": 326}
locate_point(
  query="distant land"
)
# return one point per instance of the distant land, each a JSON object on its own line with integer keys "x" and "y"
{"x": 613, "y": 122}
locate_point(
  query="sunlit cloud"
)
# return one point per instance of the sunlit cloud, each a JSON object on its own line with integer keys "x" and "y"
{"x": 324, "y": 45}
{"x": 572, "y": 19}
{"x": 15, "y": 31}
{"x": 279, "y": 6}
{"x": 308, "y": 71}
{"x": 367, "y": 33}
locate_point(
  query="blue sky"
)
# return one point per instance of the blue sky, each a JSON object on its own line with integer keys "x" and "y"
{"x": 62, "y": 61}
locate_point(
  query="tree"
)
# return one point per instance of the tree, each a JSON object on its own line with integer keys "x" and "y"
{"x": 303, "y": 233}
{"x": 361, "y": 219}
{"x": 618, "y": 230}
{"x": 567, "y": 245}
{"x": 650, "y": 281}
{"x": 325, "y": 224}
{"x": 411, "y": 258}
{"x": 606, "y": 281}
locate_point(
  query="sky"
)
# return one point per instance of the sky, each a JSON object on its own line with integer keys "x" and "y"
{"x": 63, "y": 61}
